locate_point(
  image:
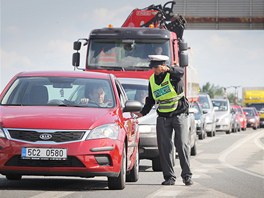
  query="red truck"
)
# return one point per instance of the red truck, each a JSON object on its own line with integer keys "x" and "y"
{"x": 124, "y": 51}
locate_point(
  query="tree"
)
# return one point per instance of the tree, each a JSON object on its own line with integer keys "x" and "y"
{"x": 212, "y": 90}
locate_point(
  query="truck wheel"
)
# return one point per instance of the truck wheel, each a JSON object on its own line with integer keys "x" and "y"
{"x": 156, "y": 165}
{"x": 13, "y": 177}
{"x": 133, "y": 174}
{"x": 119, "y": 183}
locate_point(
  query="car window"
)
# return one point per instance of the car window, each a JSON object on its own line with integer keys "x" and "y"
{"x": 59, "y": 91}
{"x": 221, "y": 105}
{"x": 204, "y": 102}
{"x": 136, "y": 92}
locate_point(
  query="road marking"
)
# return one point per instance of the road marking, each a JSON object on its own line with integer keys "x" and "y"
{"x": 258, "y": 142}
{"x": 56, "y": 194}
{"x": 166, "y": 191}
{"x": 225, "y": 153}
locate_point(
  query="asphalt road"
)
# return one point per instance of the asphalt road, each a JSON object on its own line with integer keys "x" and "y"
{"x": 225, "y": 166}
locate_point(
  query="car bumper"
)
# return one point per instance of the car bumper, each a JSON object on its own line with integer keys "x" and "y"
{"x": 86, "y": 158}
{"x": 222, "y": 127}
{"x": 148, "y": 146}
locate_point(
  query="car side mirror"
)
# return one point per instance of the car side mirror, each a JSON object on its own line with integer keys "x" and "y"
{"x": 205, "y": 111}
{"x": 132, "y": 106}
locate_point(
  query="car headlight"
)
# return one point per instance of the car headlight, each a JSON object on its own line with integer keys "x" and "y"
{"x": 2, "y": 134}
{"x": 147, "y": 128}
{"x": 110, "y": 131}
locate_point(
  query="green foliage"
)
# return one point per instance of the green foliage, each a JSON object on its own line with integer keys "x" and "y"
{"x": 212, "y": 90}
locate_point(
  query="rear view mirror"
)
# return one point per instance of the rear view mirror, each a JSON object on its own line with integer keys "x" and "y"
{"x": 77, "y": 45}
{"x": 184, "y": 62}
{"x": 132, "y": 106}
{"x": 76, "y": 59}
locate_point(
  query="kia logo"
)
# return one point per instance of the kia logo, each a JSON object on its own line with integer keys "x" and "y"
{"x": 45, "y": 136}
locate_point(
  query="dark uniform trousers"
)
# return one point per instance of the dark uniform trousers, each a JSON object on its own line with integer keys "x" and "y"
{"x": 165, "y": 127}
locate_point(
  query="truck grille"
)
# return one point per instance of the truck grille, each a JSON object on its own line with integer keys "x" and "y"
{"x": 69, "y": 162}
{"x": 53, "y": 136}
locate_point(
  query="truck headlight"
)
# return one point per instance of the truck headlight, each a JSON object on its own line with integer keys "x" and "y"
{"x": 2, "y": 134}
{"x": 147, "y": 128}
{"x": 110, "y": 131}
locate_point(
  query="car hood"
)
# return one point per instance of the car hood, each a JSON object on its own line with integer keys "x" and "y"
{"x": 220, "y": 114}
{"x": 74, "y": 118}
{"x": 150, "y": 118}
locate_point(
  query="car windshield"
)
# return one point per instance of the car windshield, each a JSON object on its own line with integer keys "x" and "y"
{"x": 59, "y": 91}
{"x": 259, "y": 107}
{"x": 136, "y": 92}
{"x": 249, "y": 112}
{"x": 197, "y": 114}
{"x": 203, "y": 100}
{"x": 124, "y": 54}
{"x": 220, "y": 105}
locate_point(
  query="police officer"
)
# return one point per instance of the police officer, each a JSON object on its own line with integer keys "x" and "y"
{"x": 166, "y": 89}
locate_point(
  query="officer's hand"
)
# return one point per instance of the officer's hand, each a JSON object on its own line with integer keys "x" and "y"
{"x": 138, "y": 114}
{"x": 164, "y": 68}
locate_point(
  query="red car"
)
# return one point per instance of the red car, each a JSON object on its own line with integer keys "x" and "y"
{"x": 49, "y": 126}
{"x": 240, "y": 116}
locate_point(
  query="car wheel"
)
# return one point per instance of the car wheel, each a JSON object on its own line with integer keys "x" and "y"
{"x": 119, "y": 183}
{"x": 193, "y": 150}
{"x": 156, "y": 165}
{"x": 133, "y": 174}
{"x": 201, "y": 136}
{"x": 255, "y": 128}
{"x": 14, "y": 177}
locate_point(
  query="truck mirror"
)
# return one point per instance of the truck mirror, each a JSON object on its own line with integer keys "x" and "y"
{"x": 76, "y": 59}
{"x": 77, "y": 45}
{"x": 183, "y": 45}
{"x": 184, "y": 59}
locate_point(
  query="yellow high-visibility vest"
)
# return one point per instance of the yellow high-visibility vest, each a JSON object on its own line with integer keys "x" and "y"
{"x": 164, "y": 94}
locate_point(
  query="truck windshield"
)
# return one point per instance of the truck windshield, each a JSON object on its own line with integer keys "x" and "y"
{"x": 124, "y": 54}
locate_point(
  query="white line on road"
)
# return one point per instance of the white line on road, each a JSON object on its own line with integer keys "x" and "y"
{"x": 53, "y": 194}
{"x": 225, "y": 153}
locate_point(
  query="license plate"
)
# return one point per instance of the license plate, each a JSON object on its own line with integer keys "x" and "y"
{"x": 44, "y": 153}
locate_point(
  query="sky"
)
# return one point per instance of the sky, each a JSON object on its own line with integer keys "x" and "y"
{"x": 39, "y": 34}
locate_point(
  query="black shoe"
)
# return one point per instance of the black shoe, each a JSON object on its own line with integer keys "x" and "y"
{"x": 188, "y": 181}
{"x": 168, "y": 182}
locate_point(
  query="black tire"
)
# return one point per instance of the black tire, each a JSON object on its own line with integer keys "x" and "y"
{"x": 156, "y": 165}
{"x": 210, "y": 134}
{"x": 201, "y": 136}
{"x": 255, "y": 128}
{"x": 193, "y": 150}
{"x": 119, "y": 183}
{"x": 14, "y": 177}
{"x": 134, "y": 172}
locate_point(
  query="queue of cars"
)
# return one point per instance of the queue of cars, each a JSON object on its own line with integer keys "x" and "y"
{"x": 58, "y": 131}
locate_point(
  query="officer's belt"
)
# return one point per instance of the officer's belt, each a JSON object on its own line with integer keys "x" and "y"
{"x": 178, "y": 97}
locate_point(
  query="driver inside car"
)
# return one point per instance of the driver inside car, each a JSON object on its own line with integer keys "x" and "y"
{"x": 94, "y": 95}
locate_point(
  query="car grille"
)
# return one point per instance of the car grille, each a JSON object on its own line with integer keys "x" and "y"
{"x": 69, "y": 162}
{"x": 55, "y": 136}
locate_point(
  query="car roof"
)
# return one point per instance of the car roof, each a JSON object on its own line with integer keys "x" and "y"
{"x": 80, "y": 74}
{"x": 221, "y": 99}
{"x": 134, "y": 81}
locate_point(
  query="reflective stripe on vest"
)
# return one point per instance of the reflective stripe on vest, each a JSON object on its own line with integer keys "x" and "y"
{"x": 164, "y": 94}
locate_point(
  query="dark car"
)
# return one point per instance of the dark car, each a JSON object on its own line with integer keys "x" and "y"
{"x": 252, "y": 117}
{"x": 49, "y": 126}
{"x": 199, "y": 119}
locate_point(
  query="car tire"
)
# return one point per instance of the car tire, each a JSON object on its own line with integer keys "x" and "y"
{"x": 193, "y": 150}
{"x": 201, "y": 136}
{"x": 156, "y": 165}
{"x": 119, "y": 183}
{"x": 255, "y": 128}
{"x": 13, "y": 177}
{"x": 134, "y": 172}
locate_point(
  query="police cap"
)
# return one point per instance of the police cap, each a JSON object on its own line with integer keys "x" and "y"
{"x": 156, "y": 60}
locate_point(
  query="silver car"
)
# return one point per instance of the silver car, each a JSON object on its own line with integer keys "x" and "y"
{"x": 137, "y": 89}
{"x": 223, "y": 115}
{"x": 210, "y": 120}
